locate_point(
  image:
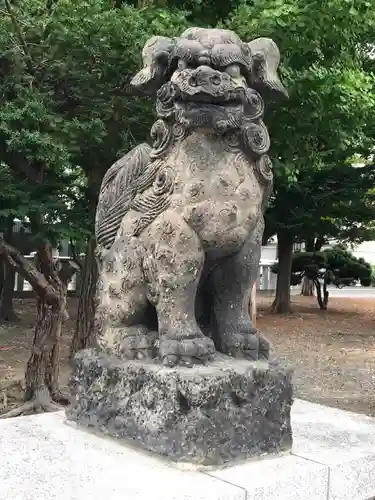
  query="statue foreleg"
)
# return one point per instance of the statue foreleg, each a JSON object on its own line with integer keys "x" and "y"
{"x": 174, "y": 265}
{"x": 231, "y": 282}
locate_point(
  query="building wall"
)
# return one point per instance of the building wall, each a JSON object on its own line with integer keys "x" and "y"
{"x": 366, "y": 250}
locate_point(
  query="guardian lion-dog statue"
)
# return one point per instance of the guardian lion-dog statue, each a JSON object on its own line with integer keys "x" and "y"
{"x": 179, "y": 224}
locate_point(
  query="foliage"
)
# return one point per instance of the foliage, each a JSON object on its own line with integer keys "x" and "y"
{"x": 329, "y": 116}
{"x": 373, "y": 276}
{"x": 341, "y": 267}
{"x": 335, "y": 266}
{"x": 93, "y": 51}
{"x": 328, "y": 120}
{"x": 14, "y": 196}
{"x": 34, "y": 158}
{"x": 66, "y": 113}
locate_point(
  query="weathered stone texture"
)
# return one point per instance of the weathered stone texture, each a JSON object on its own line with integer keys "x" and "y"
{"x": 179, "y": 224}
{"x": 227, "y": 410}
{"x": 179, "y": 227}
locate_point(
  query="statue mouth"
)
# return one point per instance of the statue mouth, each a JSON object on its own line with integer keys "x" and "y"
{"x": 197, "y": 105}
{"x": 235, "y": 98}
{"x": 219, "y": 116}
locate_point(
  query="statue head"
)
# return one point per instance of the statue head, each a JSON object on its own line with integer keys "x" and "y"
{"x": 208, "y": 77}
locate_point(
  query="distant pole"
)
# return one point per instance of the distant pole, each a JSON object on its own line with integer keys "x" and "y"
{"x": 254, "y": 304}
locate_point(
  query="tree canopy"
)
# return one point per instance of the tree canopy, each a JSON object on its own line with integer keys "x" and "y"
{"x": 334, "y": 266}
{"x": 328, "y": 119}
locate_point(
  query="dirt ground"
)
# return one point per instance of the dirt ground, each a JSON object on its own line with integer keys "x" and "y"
{"x": 332, "y": 352}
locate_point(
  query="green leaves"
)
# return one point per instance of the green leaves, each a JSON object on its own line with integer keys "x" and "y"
{"x": 65, "y": 121}
{"x": 336, "y": 265}
{"x": 329, "y": 117}
{"x": 65, "y": 114}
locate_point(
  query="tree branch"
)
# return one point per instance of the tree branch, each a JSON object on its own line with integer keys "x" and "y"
{"x": 45, "y": 261}
{"x": 67, "y": 271}
{"x": 19, "y": 164}
{"x": 20, "y": 37}
{"x": 28, "y": 271}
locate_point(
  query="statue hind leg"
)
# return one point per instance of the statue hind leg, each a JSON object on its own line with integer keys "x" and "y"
{"x": 231, "y": 282}
{"x": 123, "y": 314}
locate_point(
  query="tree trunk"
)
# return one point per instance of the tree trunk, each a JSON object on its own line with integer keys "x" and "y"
{"x": 325, "y": 293}
{"x": 319, "y": 293}
{"x": 7, "y": 290}
{"x": 42, "y": 370}
{"x": 307, "y": 288}
{"x": 84, "y": 332}
{"x": 2, "y": 274}
{"x": 312, "y": 244}
{"x": 41, "y": 375}
{"x": 6, "y": 303}
{"x": 50, "y": 284}
{"x": 319, "y": 243}
{"x": 281, "y": 304}
{"x": 322, "y": 299}
{"x": 53, "y": 367}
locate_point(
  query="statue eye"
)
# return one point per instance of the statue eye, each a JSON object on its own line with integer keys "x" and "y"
{"x": 233, "y": 70}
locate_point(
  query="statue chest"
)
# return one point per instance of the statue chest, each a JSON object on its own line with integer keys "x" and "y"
{"x": 215, "y": 189}
{"x": 208, "y": 169}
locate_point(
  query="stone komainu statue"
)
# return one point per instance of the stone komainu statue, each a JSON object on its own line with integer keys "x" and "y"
{"x": 179, "y": 224}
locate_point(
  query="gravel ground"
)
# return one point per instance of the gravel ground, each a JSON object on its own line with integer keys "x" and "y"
{"x": 332, "y": 352}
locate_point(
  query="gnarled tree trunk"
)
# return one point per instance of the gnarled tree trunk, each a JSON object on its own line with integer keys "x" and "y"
{"x": 50, "y": 284}
{"x": 281, "y": 304}
{"x": 65, "y": 274}
{"x": 84, "y": 333}
{"x": 42, "y": 372}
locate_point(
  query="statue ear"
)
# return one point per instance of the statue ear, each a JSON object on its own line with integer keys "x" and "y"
{"x": 266, "y": 58}
{"x": 156, "y": 55}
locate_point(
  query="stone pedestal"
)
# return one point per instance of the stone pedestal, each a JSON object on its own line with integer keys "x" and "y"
{"x": 209, "y": 415}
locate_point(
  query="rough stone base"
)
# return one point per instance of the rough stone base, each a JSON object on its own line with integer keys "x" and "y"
{"x": 227, "y": 410}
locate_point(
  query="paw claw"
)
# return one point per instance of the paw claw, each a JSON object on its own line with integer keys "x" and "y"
{"x": 186, "y": 352}
{"x": 138, "y": 345}
{"x": 251, "y": 345}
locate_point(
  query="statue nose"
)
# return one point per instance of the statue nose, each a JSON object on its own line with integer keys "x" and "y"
{"x": 204, "y": 75}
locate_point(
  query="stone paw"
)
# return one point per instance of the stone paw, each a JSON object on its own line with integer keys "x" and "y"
{"x": 241, "y": 345}
{"x": 187, "y": 351}
{"x": 240, "y": 339}
{"x": 137, "y": 343}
